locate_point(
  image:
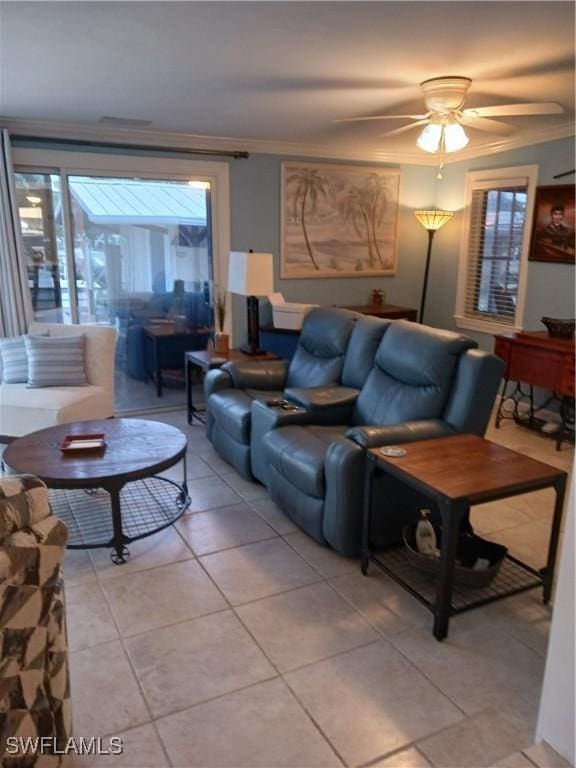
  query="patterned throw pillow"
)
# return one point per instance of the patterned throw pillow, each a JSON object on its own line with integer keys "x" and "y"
{"x": 14, "y": 360}
{"x": 56, "y": 361}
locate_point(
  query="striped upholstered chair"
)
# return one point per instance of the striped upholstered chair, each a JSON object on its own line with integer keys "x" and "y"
{"x": 34, "y": 683}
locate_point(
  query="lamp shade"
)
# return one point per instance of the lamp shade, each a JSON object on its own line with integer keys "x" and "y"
{"x": 433, "y": 220}
{"x": 454, "y": 137}
{"x": 429, "y": 139}
{"x": 251, "y": 274}
{"x": 442, "y": 138}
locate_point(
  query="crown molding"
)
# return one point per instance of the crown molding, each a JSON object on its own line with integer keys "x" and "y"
{"x": 537, "y": 136}
{"x": 175, "y": 141}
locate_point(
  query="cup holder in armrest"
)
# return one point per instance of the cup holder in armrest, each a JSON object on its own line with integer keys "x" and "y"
{"x": 323, "y": 398}
{"x": 283, "y": 405}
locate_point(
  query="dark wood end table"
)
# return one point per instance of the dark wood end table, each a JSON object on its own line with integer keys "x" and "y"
{"x": 206, "y": 360}
{"x": 135, "y": 503}
{"x": 164, "y": 345}
{"x": 455, "y": 473}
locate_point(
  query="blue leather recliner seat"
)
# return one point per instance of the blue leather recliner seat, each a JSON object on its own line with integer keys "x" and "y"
{"x": 358, "y": 382}
{"x": 231, "y": 390}
{"x": 422, "y": 383}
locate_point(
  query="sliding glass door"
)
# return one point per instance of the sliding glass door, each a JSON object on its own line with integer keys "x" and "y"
{"x": 140, "y": 246}
{"x": 143, "y": 263}
{"x": 39, "y": 199}
{"x": 131, "y": 252}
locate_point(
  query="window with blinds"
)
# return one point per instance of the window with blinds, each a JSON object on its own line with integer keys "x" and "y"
{"x": 496, "y": 231}
{"x": 494, "y": 251}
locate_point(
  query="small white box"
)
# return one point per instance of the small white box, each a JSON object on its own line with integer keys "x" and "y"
{"x": 288, "y": 314}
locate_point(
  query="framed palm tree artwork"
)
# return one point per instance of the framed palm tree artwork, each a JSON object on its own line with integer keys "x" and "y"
{"x": 338, "y": 220}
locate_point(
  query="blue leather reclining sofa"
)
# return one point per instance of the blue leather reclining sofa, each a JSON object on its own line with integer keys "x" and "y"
{"x": 356, "y": 382}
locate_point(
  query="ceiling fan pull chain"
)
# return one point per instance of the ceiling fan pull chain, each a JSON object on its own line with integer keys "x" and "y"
{"x": 441, "y": 150}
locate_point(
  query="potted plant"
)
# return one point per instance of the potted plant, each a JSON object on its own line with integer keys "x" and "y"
{"x": 221, "y": 339}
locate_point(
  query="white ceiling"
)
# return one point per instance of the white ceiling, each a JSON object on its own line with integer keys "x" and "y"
{"x": 277, "y": 74}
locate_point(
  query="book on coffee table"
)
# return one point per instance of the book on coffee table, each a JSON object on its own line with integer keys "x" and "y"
{"x": 92, "y": 442}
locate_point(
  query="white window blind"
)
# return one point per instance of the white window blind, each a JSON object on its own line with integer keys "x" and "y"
{"x": 494, "y": 250}
{"x": 497, "y": 219}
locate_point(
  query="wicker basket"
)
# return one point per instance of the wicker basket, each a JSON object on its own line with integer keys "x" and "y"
{"x": 559, "y": 329}
{"x": 470, "y": 549}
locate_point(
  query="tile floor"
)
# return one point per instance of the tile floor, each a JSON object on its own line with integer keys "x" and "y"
{"x": 233, "y": 639}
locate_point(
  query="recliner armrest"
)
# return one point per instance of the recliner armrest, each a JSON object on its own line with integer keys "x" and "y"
{"x": 409, "y": 432}
{"x": 477, "y": 380}
{"x": 320, "y": 398}
{"x": 216, "y": 380}
{"x": 24, "y": 503}
{"x": 264, "y": 419}
{"x": 277, "y": 417}
{"x": 247, "y": 374}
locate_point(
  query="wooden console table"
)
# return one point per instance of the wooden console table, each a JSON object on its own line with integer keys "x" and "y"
{"x": 538, "y": 360}
{"x": 283, "y": 341}
{"x": 388, "y": 311}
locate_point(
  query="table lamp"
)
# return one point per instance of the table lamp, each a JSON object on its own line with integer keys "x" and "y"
{"x": 431, "y": 221}
{"x": 251, "y": 274}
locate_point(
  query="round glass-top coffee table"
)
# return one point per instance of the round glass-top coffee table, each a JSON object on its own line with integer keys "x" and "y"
{"x": 113, "y": 496}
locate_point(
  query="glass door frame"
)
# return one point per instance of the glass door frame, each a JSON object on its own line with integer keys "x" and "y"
{"x": 149, "y": 167}
{"x": 49, "y": 170}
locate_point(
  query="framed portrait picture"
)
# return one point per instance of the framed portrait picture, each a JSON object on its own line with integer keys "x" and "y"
{"x": 338, "y": 220}
{"x": 554, "y": 223}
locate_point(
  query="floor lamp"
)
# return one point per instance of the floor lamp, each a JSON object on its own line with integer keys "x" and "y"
{"x": 431, "y": 221}
{"x": 251, "y": 275}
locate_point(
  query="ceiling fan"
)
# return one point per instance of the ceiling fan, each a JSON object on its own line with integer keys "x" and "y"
{"x": 444, "y": 97}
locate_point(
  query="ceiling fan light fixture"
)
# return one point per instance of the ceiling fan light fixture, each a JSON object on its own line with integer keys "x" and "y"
{"x": 444, "y": 138}
{"x": 454, "y": 137}
{"x": 429, "y": 139}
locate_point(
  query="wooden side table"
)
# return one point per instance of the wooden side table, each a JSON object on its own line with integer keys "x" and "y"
{"x": 455, "y": 473}
{"x": 164, "y": 346}
{"x": 112, "y": 497}
{"x": 205, "y": 360}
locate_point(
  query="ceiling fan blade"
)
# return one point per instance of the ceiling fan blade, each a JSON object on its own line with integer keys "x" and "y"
{"x": 381, "y": 117}
{"x": 491, "y": 126}
{"x": 503, "y": 110}
{"x": 404, "y": 128}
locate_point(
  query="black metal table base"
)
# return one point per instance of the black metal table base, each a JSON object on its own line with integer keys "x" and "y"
{"x": 445, "y": 599}
{"x": 520, "y": 406}
{"x": 193, "y": 412}
{"x": 115, "y": 517}
{"x": 513, "y": 578}
{"x": 196, "y": 413}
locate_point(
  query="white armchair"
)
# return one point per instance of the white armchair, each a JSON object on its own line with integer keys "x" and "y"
{"x": 24, "y": 410}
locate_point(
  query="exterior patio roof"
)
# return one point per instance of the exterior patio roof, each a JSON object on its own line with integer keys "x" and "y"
{"x": 139, "y": 202}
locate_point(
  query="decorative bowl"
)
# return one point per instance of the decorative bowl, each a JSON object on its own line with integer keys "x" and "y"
{"x": 559, "y": 329}
{"x": 470, "y": 550}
